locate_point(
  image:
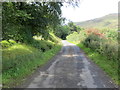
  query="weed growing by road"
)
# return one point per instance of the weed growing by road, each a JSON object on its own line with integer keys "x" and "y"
{"x": 111, "y": 67}
{"x": 20, "y": 60}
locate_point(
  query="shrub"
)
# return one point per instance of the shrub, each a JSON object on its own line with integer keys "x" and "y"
{"x": 5, "y": 43}
{"x": 77, "y": 37}
{"x": 13, "y": 56}
{"x": 54, "y": 39}
{"x": 110, "y": 49}
{"x": 73, "y": 37}
{"x": 50, "y": 44}
{"x": 104, "y": 46}
{"x": 101, "y": 41}
{"x": 20, "y": 60}
{"x": 92, "y": 41}
{"x": 12, "y": 42}
{"x": 42, "y": 45}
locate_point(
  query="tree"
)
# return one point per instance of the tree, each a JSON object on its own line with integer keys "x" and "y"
{"x": 22, "y": 20}
{"x": 62, "y": 31}
{"x": 72, "y": 27}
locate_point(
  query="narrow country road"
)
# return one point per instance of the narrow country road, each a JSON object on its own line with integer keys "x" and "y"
{"x": 70, "y": 69}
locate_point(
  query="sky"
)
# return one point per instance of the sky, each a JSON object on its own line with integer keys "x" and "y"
{"x": 90, "y": 9}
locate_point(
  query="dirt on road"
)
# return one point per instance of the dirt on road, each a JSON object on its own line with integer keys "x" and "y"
{"x": 69, "y": 69}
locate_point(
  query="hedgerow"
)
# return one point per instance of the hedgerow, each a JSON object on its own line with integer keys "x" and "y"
{"x": 101, "y": 41}
{"x": 102, "y": 47}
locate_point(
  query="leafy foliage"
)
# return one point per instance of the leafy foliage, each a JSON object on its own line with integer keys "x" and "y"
{"x": 12, "y": 42}
{"x": 22, "y": 60}
{"x": 62, "y": 31}
{"x": 109, "y": 66}
{"x": 76, "y": 37}
{"x": 21, "y": 20}
{"x": 101, "y": 46}
{"x": 102, "y": 41}
{"x": 6, "y": 44}
{"x": 65, "y": 30}
{"x": 19, "y": 60}
{"x": 22, "y": 23}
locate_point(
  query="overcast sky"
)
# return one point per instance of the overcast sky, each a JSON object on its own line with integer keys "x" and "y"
{"x": 90, "y": 9}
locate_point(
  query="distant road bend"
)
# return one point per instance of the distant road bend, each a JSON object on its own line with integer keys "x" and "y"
{"x": 70, "y": 69}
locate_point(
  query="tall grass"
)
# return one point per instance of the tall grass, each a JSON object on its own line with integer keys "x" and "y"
{"x": 102, "y": 47}
{"x": 20, "y": 60}
{"x": 109, "y": 66}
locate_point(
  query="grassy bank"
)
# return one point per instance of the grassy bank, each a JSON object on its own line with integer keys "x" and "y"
{"x": 29, "y": 62}
{"x": 21, "y": 60}
{"x": 101, "y": 46}
{"x": 109, "y": 66}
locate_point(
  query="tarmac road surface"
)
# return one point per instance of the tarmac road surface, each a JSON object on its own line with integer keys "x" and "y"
{"x": 70, "y": 69}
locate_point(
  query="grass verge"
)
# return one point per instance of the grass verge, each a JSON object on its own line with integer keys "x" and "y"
{"x": 109, "y": 66}
{"x": 19, "y": 61}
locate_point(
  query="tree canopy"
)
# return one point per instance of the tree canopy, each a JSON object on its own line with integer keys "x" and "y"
{"x": 22, "y": 20}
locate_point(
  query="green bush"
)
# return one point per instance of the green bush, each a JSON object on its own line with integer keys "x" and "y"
{"x": 42, "y": 45}
{"x": 12, "y": 42}
{"x": 106, "y": 45}
{"x": 109, "y": 66}
{"x": 20, "y": 60}
{"x": 109, "y": 49}
{"x": 13, "y": 56}
{"x": 50, "y": 44}
{"x": 73, "y": 37}
{"x": 92, "y": 41}
{"x": 54, "y": 39}
{"x": 102, "y": 47}
{"x": 5, "y": 44}
{"x": 77, "y": 37}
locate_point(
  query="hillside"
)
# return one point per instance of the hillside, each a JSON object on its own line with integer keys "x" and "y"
{"x": 108, "y": 21}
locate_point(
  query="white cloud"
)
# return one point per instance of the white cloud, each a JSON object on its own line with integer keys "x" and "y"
{"x": 90, "y": 9}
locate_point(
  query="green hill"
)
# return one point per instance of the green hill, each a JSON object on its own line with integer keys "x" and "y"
{"x": 108, "y": 21}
